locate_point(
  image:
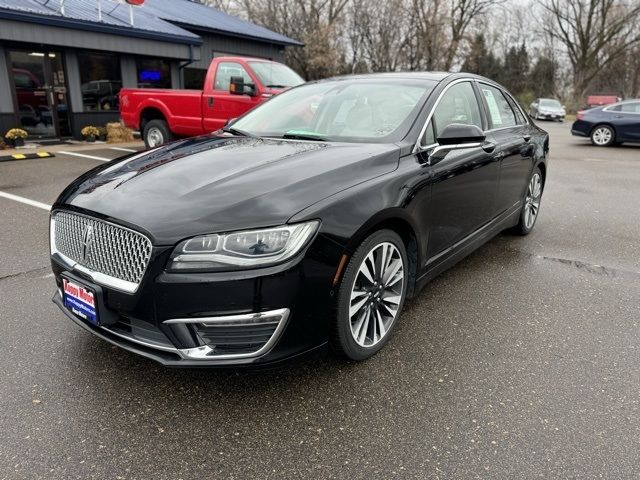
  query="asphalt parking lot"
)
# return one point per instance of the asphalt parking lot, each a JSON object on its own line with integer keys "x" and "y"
{"x": 520, "y": 362}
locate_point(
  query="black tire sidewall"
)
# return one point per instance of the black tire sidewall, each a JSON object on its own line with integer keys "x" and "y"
{"x": 341, "y": 339}
{"x": 160, "y": 125}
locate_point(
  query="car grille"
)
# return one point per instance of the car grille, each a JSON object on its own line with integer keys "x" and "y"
{"x": 106, "y": 248}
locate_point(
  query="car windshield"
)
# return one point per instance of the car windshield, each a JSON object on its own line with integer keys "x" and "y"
{"x": 340, "y": 110}
{"x": 550, "y": 103}
{"x": 276, "y": 75}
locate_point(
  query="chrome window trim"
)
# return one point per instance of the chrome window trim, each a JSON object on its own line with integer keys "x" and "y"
{"x": 421, "y": 148}
{"x": 417, "y": 146}
{"x": 97, "y": 277}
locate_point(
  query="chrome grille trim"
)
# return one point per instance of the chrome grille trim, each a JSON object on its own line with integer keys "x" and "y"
{"x": 110, "y": 254}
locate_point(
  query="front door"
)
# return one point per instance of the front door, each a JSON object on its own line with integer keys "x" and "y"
{"x": 40, "y": 92}
{"x": 464, "y": 182}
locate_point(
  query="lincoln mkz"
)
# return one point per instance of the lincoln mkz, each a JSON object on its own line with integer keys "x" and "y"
{"x": 306, "y": 223}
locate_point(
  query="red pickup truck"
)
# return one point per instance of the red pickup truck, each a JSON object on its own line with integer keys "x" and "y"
{"x": 232, "y": 86}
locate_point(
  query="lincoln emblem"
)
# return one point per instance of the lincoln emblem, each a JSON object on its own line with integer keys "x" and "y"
{"x": 87, "y": 241}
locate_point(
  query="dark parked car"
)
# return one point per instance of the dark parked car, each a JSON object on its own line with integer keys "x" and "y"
{"x": 308, "y": 221}
{"x": 547, "y": 109}
{"x": 609, "y": 125}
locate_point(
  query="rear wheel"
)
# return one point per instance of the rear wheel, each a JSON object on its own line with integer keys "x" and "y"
{"x": 531, "y": 206}
{"x": 156, "y": 133}
{"x": 603, "y": 136}
{"x": 371, "y": 296}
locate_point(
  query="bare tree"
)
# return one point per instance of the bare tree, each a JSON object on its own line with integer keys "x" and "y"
{"x": 595, "y": 34}
{"x": 462, "y": 14}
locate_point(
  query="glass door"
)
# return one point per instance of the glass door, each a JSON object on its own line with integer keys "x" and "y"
{"x": 40, "y": 92}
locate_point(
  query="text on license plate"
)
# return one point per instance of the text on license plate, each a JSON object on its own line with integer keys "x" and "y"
{"x": 80, "y": 300}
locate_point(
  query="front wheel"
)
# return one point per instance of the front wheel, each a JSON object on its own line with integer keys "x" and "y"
{"x": 156, "y": 133}
{"x": 531, "y": 206}
{"x": 603, "y": 136}
{"x": 371, "y": 296}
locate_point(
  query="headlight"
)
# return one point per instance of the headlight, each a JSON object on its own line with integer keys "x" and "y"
{"x": 242, "y": 250}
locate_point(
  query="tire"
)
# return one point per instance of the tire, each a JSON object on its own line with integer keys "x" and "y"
{"x": 603, "y": 136}
{"x": 531, "y": 206}
{"x": 156, "y": 133}
{"x": 353, "y": 333}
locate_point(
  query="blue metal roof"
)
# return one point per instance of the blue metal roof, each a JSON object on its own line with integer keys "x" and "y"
{"x": 83, "y": 14}
{"x": 191, "y": 13}
{"x": 159, "y": 19}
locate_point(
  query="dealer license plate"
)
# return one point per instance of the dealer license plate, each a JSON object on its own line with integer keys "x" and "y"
{"x": 80, "y": 300}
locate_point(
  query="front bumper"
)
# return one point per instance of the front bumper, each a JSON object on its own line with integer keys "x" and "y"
{"x": 551, "y": 116}
{"x": 217, "y": 319}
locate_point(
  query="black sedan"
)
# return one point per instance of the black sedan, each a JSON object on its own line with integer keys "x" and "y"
{"x": 609, "y": 125}
{"x": 309, "y": 221}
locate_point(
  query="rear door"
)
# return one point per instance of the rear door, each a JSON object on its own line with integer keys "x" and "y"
{"x": 627, "y": 122}
{"x": 510, "y": 131}
{"x": 220, "y": 105}
{"x": 464, "y": 183}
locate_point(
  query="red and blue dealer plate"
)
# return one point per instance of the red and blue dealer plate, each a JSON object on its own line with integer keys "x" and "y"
{"x": 80, "y": 300}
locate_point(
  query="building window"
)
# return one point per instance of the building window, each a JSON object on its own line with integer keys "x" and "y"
{"x": 194, "y": 78}
{"x": 101, "y": 81}
{"x": 153, "y": 73}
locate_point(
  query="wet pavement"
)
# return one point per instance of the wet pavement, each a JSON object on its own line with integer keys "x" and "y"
{"x": 520, "y": 362}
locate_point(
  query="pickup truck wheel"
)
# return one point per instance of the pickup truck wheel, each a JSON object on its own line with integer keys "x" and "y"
{"x": 156, "y": 133}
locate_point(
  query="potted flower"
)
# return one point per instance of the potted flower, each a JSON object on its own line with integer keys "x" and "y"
{"x": 15, "y": 137}
{"x": 90, "y": 133}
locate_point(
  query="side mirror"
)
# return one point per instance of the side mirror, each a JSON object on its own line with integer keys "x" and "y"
{"x": 238, "y": 87}
{"x": 456, "y": 136}
{"x": 460, "y": 133}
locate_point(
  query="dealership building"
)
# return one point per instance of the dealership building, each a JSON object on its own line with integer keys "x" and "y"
{"x": 63, "y": 62}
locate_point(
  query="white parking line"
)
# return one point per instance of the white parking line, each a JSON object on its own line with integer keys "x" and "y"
{"x": 26, "y": 201}
{"x": 90, "y": 157}
{"x": 121, "y": 149}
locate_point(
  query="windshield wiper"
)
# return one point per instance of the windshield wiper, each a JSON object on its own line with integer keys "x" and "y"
{"x": 277, "y": 86}
{"x": 304, "y": 136}
{"x": 238, "y": 133}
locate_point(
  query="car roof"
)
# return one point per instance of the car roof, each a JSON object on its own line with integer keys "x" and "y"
{"x": 437, "y": 76}
{"x": 621, "y": 102}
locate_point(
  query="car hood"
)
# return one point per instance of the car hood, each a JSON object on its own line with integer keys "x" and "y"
{"x": 217, "y": 184}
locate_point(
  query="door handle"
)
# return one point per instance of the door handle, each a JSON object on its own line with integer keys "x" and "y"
{"x": 527, "y": 137}
{"x": 489, "y": 146}
{"x": 210, "y": 101}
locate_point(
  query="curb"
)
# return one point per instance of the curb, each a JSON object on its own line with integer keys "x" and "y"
{"x": 26, "y": 156}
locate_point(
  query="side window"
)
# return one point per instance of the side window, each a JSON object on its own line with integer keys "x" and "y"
{"x": 225, "y": 71}
{"x": 457, "y": 105}
{"x": 630, "y": 108}
{"x": 500, "y": 112}
{"x": 615, "y": 108}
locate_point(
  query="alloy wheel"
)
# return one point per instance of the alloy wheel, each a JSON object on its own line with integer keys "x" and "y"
{"x": 376, "y": 294}
{"x": 532, "y": 201}
{"x": 155, "y": 137}
{"x": 602, "y": 135}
